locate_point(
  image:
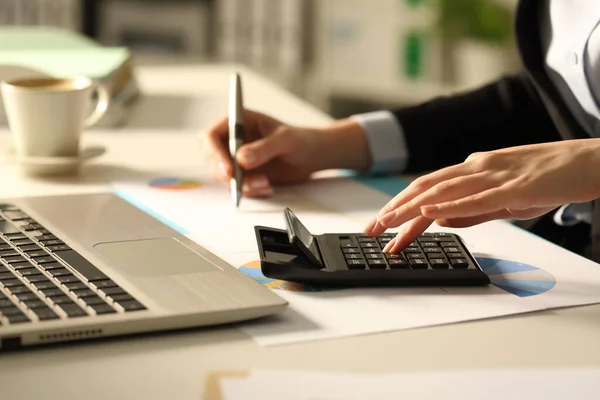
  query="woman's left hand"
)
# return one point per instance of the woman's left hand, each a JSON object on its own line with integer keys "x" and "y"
{"x": 518, "y": 182}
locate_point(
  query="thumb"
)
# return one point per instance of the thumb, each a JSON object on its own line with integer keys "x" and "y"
{"x": 262, "y": 151}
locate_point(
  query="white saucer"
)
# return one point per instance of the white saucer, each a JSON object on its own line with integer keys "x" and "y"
{"x": 52, "y": 165}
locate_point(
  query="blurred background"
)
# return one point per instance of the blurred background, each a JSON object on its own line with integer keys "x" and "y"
{"x": 343, "y": 56}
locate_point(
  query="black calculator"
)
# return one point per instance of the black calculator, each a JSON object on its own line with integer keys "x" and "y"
{"x": 357, "y": 260}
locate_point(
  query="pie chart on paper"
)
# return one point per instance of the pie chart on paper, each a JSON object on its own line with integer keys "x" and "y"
{"x": 522, "y": 280}
{"x": 173, "y": 183}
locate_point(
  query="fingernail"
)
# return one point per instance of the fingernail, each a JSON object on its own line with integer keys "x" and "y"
{"x": 260, "y": 182}
{"x": 389, "y": 246}
{"x": 370, "y": 226}
{"x": 223, "y": 169}
{"x": 385, "y": 218}
{"x": 248, "y": 156}
{"x": 429, "y": 208}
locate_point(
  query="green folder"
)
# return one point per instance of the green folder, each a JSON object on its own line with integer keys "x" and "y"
{"x": 59, "y": 52}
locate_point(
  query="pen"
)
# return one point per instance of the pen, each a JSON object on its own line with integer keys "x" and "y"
{"x": 236, "y": 135}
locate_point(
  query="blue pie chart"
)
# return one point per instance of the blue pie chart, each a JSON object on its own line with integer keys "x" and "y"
{"x": 520, "y": 279}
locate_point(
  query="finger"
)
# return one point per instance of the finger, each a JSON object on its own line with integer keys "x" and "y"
{"x": 424, "y": 183}
{"x": 530, "y": 212}
{"x": 374, "y": 228}
{"x": 470, "y": 221}
{"x": 451, "y": 189}
{"x": 408, "y": 234}
{"x": 255, "y": 154}
{"x": 481, "y": 203}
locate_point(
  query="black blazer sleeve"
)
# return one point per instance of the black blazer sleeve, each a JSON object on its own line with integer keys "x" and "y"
{"x": 446, "y": 130}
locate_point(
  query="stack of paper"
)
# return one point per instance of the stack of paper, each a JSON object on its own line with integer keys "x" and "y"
{"x": 547, "y": 384}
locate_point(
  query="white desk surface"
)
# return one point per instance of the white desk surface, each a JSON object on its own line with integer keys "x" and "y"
{"x": 180, "y": 101}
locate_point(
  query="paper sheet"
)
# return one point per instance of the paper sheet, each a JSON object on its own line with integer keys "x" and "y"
{"x": 547, "y": 384}
{"x": 527, "y": 273}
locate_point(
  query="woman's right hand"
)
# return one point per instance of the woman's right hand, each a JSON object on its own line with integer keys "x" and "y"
{"x": 277, "y": 153}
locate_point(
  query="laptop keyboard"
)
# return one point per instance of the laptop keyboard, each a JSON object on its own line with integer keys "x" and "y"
{"x": 43, "y": 279}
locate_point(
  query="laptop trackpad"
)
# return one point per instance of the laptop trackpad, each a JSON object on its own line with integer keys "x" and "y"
{"x": 155, "y": 257}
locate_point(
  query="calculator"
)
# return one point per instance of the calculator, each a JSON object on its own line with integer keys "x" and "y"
{"x": 357, "y": 260}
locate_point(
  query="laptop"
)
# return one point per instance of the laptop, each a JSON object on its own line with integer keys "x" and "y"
{"x": 90, "y": 266}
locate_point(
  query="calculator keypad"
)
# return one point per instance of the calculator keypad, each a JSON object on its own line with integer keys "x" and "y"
{"x": 430, "y": 251}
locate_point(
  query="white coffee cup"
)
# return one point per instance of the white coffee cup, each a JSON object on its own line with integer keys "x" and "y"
{"x": 47, "y": 116}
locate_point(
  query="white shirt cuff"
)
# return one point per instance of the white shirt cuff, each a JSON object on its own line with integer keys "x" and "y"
{"x": 386, "y": 140}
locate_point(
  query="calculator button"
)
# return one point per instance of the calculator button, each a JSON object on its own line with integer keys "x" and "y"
{"x": 429, "y": 244}
{"x": 412, "y": 249}
{"x": 367, "y": 240}
{"x": 438, "y": 263}
{"x": 374, "y": 256}
{"x": 377, "y": 264}
{"x": 442, "y": 234}
{"x": 347, "y": 243}
{"x": 350, "y": 250}
{"x": 448, "y": 244}
{"x": 415, "y": 256}
{"x": 432, "y": 249}
{"x": 451, "y": 249}
{"x": 394, "y": 256}
{"x": 353, "y": 256}
{"x": 397, "y": 263}
{"x": 372, "y": 251}
{"x": 426, "y": 234}
{"x": 369, "y": 245}
{"x": 355, "y": 264}
{"x": 435, "y": 255}
{"x": 459, "y": 263}
{"x": 455, "y": 255}
{"x": 418, "y": 263}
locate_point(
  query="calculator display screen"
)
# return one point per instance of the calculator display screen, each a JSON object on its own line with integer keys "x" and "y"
{"x": 298, "y": 230}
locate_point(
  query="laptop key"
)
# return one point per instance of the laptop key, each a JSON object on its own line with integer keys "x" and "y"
{"x": 35, "y": 304}
{"x": 51, "y": 266}
{"x": 15, "y": 260}
{"x": 53, "y": 292}
{"x": 37, "y": 279}
{"x": 19, "y": 289}
{"x": 61, "y": 299}
{"x": 22, "y": 242}
{"x": 76, "y": 286}
{"x": 132, "y": 305}
{"x": 3, "y": 269}
{"x": 53, "y": 242}
{"x": 24, "y": 265}
{"x": 44, "y": 260}
{"x": 46, "y": 237}
{"x": 35, "y": 254}
{"x": 6, "y": 303}
{"x": 29, "y": 272}
{"x": 6, "y": 276}
{"x": 5, "y": 246}
{"x": 14, "y": 310}
{"x": 59, "y": 247}
{"x": 102, "y": 309}
{"x": 83, "y": 266}
{"x": 68, "y": 279}
{"x": 121, "y": 297}
{"x": 118, "y": 290}
{"x": 44, "y": 286}
{"x": 45, "y": 314}
{"x": 18, "y": 318}
{"x": 10, "y": 283}
{"x": 60, "y": 272}
{"x": 92, "y": 300}
{"x": 73, "y": 310}
{"x": 104, "y": 284}
{"x": 15, "y": 215}
{"x": 9, "y": 253}
{"x": 8, "y": 228}
{"x": 84, "y": 293}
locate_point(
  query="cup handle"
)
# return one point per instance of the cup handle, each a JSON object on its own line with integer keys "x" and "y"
{"x": 101, "y": 106}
